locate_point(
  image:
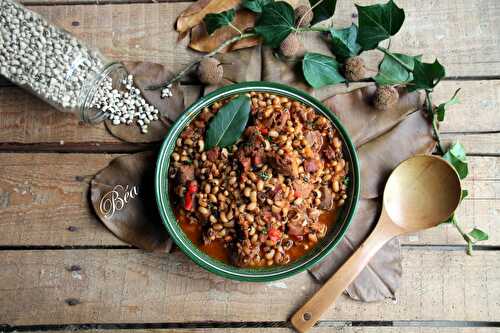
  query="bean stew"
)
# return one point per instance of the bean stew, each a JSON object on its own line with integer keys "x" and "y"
{"x": 270, "y": 197}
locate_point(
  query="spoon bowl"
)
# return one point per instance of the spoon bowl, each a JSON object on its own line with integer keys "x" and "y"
{"x": 420, "y": 193}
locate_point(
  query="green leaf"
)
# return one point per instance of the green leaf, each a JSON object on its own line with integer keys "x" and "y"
{"x": 392, "y": 72}
{"x": 378, "y": 22}
{"x": 228, "y": 124}
{"x": 457, "y": 157}
{"x": 441, "y": 109}
{"x": 344, "y": 43}
{"x": 426, "y": 76}
{"x": 219, "y": 20}
{"x": 320, "y": 70}
{"x": 322, "y": 11}
{"x": 256, "y": 6}
{"x": 275, "y": 23}
{"x": 478, "y": 235}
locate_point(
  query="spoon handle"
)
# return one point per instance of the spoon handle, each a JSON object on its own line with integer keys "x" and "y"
{"x": 310, "y": 313}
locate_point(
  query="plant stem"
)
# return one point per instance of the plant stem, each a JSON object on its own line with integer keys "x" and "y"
{"x": 235, "y": 28}
{"x": 464, "y": 236}
{"x": 430, "y": 112}
{"x": 317, "y": 29}
{"x": 396, "y": 59}
{"x": 179, "y": 75}
{"x": 307, "y": 12}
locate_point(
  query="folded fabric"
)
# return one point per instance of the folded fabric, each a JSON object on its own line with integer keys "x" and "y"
{"x": 123, "y": 197}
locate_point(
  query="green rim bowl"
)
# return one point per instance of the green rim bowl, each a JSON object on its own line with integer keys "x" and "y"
{"x": 315, "y": 255}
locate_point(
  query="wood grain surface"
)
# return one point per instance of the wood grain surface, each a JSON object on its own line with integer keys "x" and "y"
{"x": 128, "y": 286}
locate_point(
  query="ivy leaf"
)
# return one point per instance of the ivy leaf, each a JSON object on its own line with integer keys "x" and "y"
{"x": 344, "y": 43}
{"x": 426, "y": 76}
{"x": 322, "y": 11}
{"x": 457, "y": 157}
{"x": 392, "y": 72}
{"x": 378, "y": 22}
{"x": 276, "y": 23}
{"x": 478, "y": 235}
{"x": 228, "y": 124}
{"x": 219, "y": 20}
{"x": 320, "y": 70}
{"x": 441, "y": 109}
{"x": 256, "y": 6}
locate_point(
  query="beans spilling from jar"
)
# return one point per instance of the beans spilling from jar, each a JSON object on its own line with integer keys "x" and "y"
{"x": 263, "y": 196}
{"x": 57, "y": 67}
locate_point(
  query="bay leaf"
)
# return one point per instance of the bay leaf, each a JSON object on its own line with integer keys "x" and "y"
{"x": 203, "y": 42}
{"x": 228, "y": 124}
{"x": 194, "y": 14}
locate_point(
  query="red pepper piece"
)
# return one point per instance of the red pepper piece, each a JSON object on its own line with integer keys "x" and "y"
{"x": 274, "y": 234}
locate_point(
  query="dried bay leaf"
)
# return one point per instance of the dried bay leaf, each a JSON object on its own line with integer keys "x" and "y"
{"x": 203, "y": 42}
{"x": 195, "y": 13}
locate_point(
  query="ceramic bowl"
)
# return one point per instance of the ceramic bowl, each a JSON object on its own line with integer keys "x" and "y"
{"x": 314, "y": 256}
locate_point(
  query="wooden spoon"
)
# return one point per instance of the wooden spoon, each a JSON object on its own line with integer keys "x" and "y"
{"x": 421, "y": 193}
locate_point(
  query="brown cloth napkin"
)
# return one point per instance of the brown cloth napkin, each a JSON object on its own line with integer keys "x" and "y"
{"x": 384, "y": 139}
{"x": 123, "y": 197}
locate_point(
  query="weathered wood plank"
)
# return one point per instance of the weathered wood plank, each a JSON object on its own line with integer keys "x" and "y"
{"x": 38, "y": 205}
{"x": 475, "y": 144}
{"x": 465, "y": 52}
{"x": 26, "y": 120}
{"x": 478, "y": 110}
{"x": 118, "y": 286}
{"x": 430, "y": 29}
{"x": 43, "y": 199}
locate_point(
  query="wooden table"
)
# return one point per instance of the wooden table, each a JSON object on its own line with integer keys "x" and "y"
{"x": 61, "y": 270}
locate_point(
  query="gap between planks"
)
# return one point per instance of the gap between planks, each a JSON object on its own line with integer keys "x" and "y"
{"x": 271, "y": 326}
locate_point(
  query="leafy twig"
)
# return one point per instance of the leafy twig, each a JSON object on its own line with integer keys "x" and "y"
{"x": 430, "y": 112}
{"x": 179, "y": 75}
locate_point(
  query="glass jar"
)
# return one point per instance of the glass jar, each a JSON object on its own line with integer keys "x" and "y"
{"x": 53, "y": 64}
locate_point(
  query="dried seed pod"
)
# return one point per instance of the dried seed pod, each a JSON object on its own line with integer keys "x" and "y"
{"x": 291, "y": 45}
{"x": 354, "y": 69}
{"x": 303, "y": 16}
{"x": 210, "y": 71}
{"x": 385, "y": 97}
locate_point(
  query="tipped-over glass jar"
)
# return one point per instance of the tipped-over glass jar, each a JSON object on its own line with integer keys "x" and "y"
{"x": 58, "y": 68}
